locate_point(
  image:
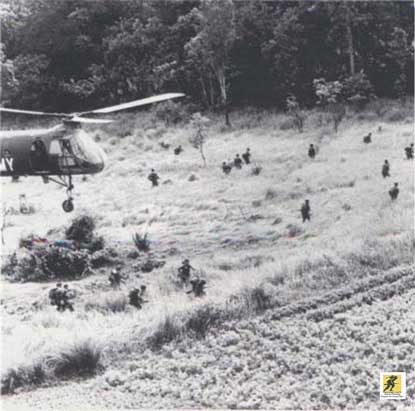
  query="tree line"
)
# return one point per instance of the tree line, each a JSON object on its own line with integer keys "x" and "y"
{"x": 73, "y": 55}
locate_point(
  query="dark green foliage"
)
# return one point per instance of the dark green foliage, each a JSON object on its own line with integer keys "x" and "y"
{"x": 22, "y": 376}
{"x": 170, "y": 112}
{"x": 103, "y": 258}
{"x": 81, "y": 229}
{"x": 217, "y": 52}
{"x": 46, "y": 263}
{"x": 82, "y": 359}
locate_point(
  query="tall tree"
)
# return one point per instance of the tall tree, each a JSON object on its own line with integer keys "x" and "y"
{"x": 215, "y": 27}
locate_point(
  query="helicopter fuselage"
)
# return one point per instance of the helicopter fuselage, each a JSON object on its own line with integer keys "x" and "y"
{"x": 58, "y": 151}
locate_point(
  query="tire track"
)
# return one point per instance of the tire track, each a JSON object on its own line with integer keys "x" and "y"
{"x": 382, "y": 287}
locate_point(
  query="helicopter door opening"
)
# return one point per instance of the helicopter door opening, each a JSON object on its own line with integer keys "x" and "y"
{"x": 38, "y": 155}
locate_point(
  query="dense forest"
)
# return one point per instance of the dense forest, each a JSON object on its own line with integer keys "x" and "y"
{"x": 76, "y": 54}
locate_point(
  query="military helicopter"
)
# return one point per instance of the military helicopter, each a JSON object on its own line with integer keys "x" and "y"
{"x": 61, "y": 151}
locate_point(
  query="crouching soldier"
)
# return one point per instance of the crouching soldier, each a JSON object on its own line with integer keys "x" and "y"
{"x": 198, "y": 288}
{"x": 394, "y": 191}
{"x": 306, "y": 211}
{"x": 367, "y": 139}
{"x": 136, "y": 297}
{"x": 178, "y": 150}
{"x": 68, "y": 295}
{"x": 184, "y": 271}
{"x": 237, "y": 162}
{"x": 55, "y": 295}
{"x": 226, "y": 168}
{"x": 154, "y": 178}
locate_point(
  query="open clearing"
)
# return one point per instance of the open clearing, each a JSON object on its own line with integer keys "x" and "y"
{"x": 341, "y": 287}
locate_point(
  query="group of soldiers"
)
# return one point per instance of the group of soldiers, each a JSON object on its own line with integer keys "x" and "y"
{"x": 135, "y": 296}
{"x": 61, "y": 297}
{"x": 237, "y": 162}
{"x": 197, "y": 284}
{"x": 393, "y": 192}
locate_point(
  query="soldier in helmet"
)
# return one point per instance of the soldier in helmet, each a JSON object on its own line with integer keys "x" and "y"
{"x": 367, "y": 139}
{"x": 136, "y": 298}
{"x": 198, "y": 287}
{"x": 55, "y": 296}
{"x": 184, "y": 271}
{"x": 237, "y": 162}
{"x": 247, "y": 156}
{"x": 226, "y": 168}
{"x": 154, "y": 178}
{"x": 409, "y": 151}
{"x": 68, "y": 295}
{"x": 386, "y": 169}
{"x": 311, "y": 151}
{"x": 115, "y": 278}
{"x": 178, "y": 150}
{"x": 306, "y": 211}
{"x": 394, "y": 191}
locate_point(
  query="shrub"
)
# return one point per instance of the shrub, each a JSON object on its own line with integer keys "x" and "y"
{"x": 166, "y": 332}
{"x": 170, "y": 112}
{"x": 81, "y": 229}
{"x": 202, "y": 319}
{"x": 104, "y": 257}
{"x": 44, "y": 263}
{"x": 33, "y": 374}
{"x": 82, "y": 358}
{"x": 141, "y": 242}
{"x": 287, "y": 124}
{"x": 258, "y": 300}
{"x": 357, "y": 90}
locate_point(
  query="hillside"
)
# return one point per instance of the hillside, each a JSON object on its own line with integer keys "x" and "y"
{"x": 275, "y": 286}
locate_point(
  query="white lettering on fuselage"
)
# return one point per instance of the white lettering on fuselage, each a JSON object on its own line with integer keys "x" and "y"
{"x": 6, "y": 164}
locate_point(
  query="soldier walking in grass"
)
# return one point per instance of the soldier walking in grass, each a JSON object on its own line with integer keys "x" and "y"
{"x": 306, "y": 211}
{"x": 178, "y": 150}
{"x": 367, "y": 139}
{"x": 394, "y": 191}
{"x": 184, "y": 271}
{"x": 226, "y": 168}
{"x": 154, "y": 178}
{"x": 409, "y": 151}
{"x": 198, "y": 287}
{"x": 311, "y": 151}
{"x": 386, "y": 169}
{"x": 115, "y": 278}
{"x": 247, "y": 156}
{"x": 237, "y": 162}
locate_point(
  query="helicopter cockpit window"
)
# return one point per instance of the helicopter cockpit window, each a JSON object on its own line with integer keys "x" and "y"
{"x": 55, "y": 148}
{"x": 84, "y": 148}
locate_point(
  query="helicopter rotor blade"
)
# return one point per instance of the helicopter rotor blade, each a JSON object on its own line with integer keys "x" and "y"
{"x": 135, "y": 103}
{"x": 34, "y": 113}
{"x": 77, "y": 119}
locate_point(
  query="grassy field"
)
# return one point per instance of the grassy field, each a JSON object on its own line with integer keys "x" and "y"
{"x": 244, "y": 234}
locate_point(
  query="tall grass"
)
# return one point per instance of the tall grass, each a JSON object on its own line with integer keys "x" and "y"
{"x": 250, "y": 266}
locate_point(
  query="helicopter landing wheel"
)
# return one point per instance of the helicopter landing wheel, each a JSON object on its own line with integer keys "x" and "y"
{"x": 67, "y": 205}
